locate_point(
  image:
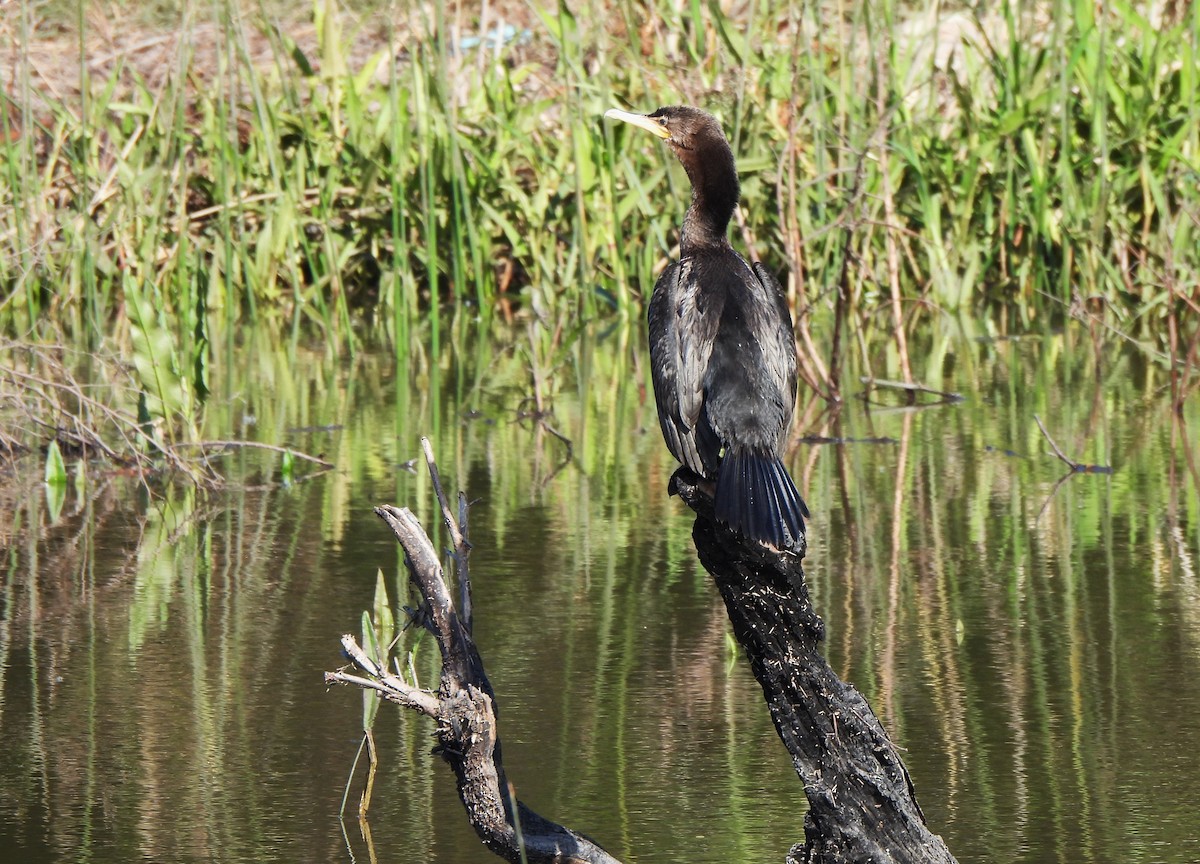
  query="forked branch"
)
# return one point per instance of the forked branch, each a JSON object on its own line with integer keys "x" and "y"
{"x": 464, "y": 704}
{"x": 862, "y": 805}
{"x": 1076, "y": 467}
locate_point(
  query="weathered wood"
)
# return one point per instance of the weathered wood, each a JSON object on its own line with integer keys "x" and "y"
{"x": 465, "y": 709}
{"x": 862, "y": 804}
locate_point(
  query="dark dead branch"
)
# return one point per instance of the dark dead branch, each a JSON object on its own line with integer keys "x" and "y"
{"x": 1076, "y": 467}
{"x": 457, "y": 529}
{"x": 912, "y": 389}
{"x": 862, "y": 803}
{"x": 464, "y": 705}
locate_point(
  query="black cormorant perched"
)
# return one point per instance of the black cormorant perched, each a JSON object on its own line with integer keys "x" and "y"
{"x": 722, "y": 351}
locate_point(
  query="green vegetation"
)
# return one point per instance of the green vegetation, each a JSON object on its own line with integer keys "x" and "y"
{"x": 1023, "y": 168}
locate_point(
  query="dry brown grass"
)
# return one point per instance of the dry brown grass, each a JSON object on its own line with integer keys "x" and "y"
{"x": 143, "y": 49}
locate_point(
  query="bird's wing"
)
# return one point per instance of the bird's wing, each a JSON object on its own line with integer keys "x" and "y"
{"x": 697, "y": 316}
{"x": 664, "y": 360}
{"x": 782, "y": 334}
{"x": 677, "y": 361}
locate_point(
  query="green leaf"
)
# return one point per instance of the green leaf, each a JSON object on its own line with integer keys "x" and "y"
{"x": 385, "y": 622}
{"x": 370, "y": 707}
{"x": 375, "y": 650}
{"x": 370, "y": 640}
{"x": 56, "y": 471}
{"x": 298, "y": 55}
{"x": 80, "y": 478}
{"x": 731, "y": 36}
{"x": 366, "y": 75}
{"x": 56, "y": 495}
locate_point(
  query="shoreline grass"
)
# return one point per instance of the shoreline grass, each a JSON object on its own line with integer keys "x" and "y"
{"x": 1026, "y": 167}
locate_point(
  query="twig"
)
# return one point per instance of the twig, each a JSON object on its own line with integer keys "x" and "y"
{"x": 844, "y": 439}
{"x": 462, "y": 548}
{"x": 464, "y": 578}
{"x": 912, "y": 389}
{"x": 883, "y": 81}
{"x": 1074, "y": 466}
{"x": 440, "y": 492}
{"x": 1077, "y": 467}
{"x": 843, "y": 283}
{"x": 390, "y": 686}
{"x": 256, "y": 445}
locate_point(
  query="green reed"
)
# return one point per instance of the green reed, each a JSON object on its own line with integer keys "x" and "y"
{"x": 1051, "y": 171}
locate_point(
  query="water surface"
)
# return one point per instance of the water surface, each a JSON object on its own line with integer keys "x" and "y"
{"x": 1033, "y": 645}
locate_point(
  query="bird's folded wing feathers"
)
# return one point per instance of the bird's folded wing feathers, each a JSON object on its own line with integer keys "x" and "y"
{"x": 664, "y": 355}
{"x": 695, "y": 340}
{"x": 786, "y": 338}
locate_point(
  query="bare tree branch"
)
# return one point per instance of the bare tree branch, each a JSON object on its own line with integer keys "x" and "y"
{"x": 862, "y": 805}
{"x": 465, "y": 708}
{"x": 390, "y": 686}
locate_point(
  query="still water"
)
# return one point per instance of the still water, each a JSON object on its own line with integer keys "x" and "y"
{"x": 1033, "y": 645}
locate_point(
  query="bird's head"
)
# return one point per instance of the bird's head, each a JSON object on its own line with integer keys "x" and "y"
{"x": 696, "y": 138}
{"x": 684, "y": 128}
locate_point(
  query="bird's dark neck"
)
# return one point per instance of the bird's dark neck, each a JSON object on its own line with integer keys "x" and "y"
{"x": 714, "y": 195}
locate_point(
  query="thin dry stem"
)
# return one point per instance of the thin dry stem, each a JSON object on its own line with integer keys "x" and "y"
{"x": 1074, "y": 466}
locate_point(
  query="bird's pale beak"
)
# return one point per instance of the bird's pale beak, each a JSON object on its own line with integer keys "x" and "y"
{"x": 642, "y": 121}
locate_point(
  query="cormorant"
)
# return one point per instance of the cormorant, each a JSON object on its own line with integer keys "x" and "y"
{"x": 722, "y": 352}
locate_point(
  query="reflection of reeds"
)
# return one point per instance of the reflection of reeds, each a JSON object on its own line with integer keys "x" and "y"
{"x": 1033, "y": 668}
{"x": 1010, "y": 638}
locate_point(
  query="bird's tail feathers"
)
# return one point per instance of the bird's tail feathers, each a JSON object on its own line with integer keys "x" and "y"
{"x": 757, "y": 498}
